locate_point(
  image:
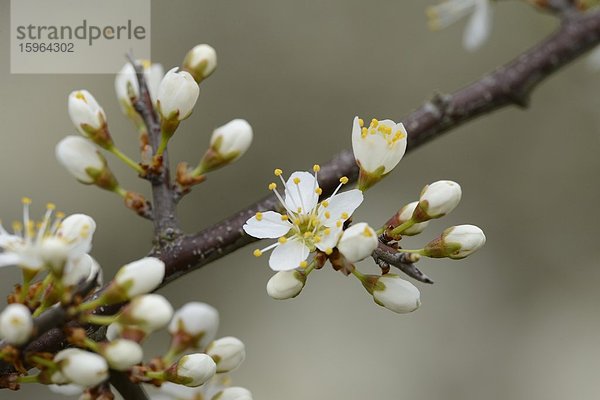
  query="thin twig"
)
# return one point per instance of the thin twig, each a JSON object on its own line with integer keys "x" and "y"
{"x": 127, "y": 389}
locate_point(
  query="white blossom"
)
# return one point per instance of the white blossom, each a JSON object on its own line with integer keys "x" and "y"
{"x": 32, "y": 245}
{"x": 379, "y": 147}
{"x": 126, "y": 81}
{"x": 286, "y": 284}
{"x": 141, "y": 276}
{"x": 200, "y": 61}
{"x": 82, "y": 367}
{"x": 80, "y": 269}
{"x": 177, "y": 95}
{"x": 478, "y": 27}
{"x": 198, "y": 320}
{"x": 81, "y": 158}
{"x": 216, "y": 384}
{"x": 358, "y": 242}
{"x": 456, "y": 242}
{"x": 16, "y": 324}
{"x": 149, "y": 312}
{"x": 396, "y": 294}
{"x": 122, "y": 354}
{"x": 192, "y": 370}
{"x": 85, "y": 112}
{"x": 439, "y": 198}
{"x": 307, "y": 225}
{"x": 227, "y": 352}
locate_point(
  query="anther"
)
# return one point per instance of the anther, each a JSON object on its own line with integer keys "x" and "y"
{"x": 278, "y": 172}
{"x": 259, "y": 216}
{"x": 316, "y": 168}
{"x": 257, "y": 253}
{"x": 344, "y": 180}
{"x": 272, "y": 186}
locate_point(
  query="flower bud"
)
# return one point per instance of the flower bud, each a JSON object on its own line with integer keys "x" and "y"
{"x": 177, "y": 95}
{"x": 394, "y": 293}
{"x": 358, "y": 242}
{"x": 286, "y": 284}
{"x": 55, "y": 253}
{"x": 228, "y": 143}
{"x": 89, "y": 118}
{"x": 199, "y": 321}
{"x": 437, "y": 200}
{"x": 456, "y": 242}
{"x": 200, "y": 62}
{"x": 405, "y": 214}
{"x": 377, "y": 148}
{"x": 126, "y": 83}
{"x": 82, "y": 367}
{"x": 233, "y": 393}
{"x": 192, "y": 370}
{"x": 16, "y": 324}
{"x": 82, "y": 159}
{"x": 228, "y": 353}
{"x": 122, "y": 354}
{"x": 149, "y": 312}
{"x": 138, "y": 277}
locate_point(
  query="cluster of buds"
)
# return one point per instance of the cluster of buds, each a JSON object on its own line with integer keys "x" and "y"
{"x": 59, "y": 274}
{"x": 156, "y": 103}
{"x": 311, "y": 231}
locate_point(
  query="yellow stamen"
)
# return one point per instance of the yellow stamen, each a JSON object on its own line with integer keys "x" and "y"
{"x": 328, "y": 251}
{"x": 367, "y": 232}
{"x": 327, "y": 231}
{"x": 338, "y": 224}
{"x": 361, "y": 122}
{"x": 316, "y": 168}
{"x": 319, "y": 191}
{"x": 60, "y": 214}
{"x": 303, "y": 264}
{"x": 284, "y": 217}
{"x": 308, "y": 234}
{"x": 278, "y": 172}
{"x": 272, "y": 186}
{"x": 345, "y": 215}
{"x": 325, "y": 203}
{"x": 374, "y": 123}
{"x": 26, "y": 200}
{"x": 317, "y": 239}
{"x": 364, "y": 132}
{"x": 297, "y": 180}
{"x": 51, "y": 206}
{"x": 259, "y": 216}
{"x": 344, "y": 180}
{"x": 257, "y": 253}
{"x": 327, "y": 214}
{"x": 282, "y": 240}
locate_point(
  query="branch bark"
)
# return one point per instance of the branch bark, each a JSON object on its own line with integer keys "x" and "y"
{"x": 510, "y": 84}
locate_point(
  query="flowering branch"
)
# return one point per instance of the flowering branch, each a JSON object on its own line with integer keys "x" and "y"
{"x": 508, "y": 85}
{"x": 165, "y": 222}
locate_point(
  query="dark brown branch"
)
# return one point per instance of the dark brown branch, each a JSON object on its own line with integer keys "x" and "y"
{"x": 165, "y": 222}
{"x": 508, "y": 85}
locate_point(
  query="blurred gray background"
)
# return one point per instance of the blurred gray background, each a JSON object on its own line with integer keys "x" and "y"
{"x": 518, "y": 320}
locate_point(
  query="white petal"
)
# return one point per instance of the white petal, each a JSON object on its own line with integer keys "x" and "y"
{"x": 479, "y": 26}
{"x": 7, "y": 259}
{"x": 271, "y": 226}
{"x": 341, "y": 203}
{"x": 331, "y": 240}
{"x": 301, "y": 195}
{"x": 288, "y": 255}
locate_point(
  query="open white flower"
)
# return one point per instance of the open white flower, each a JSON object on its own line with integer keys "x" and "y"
{"x": 379, "y": 147}
{"x": 29, "y": 245}
{"x": 307, "y": 224}
{"x": 126, "y": 82}
{"x": 478, "y": 27}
